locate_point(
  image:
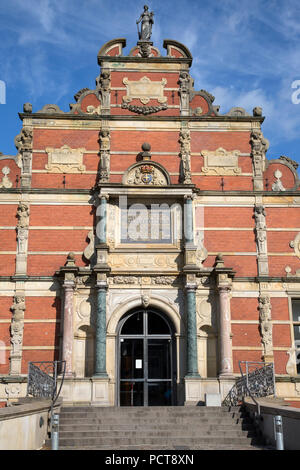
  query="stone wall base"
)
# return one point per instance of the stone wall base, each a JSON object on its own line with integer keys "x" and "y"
{"x": 197, "y": 388}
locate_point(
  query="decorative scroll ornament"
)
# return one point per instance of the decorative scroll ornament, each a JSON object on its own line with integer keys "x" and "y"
{"x": 289, "y": 161}
{"x": 296, "y": 245}
{"x": 221, "y": 162}
{"x": 278, "y": 186}
{"x": 145, "y": 90}
{"x": 185, "y": 154}
{"x": 5, "y": 183}
{"x": 144, "y": 109}
{"x": 266, "y": 323}
{"x": 65, "y": 160}
{"x": 89, "y": 251}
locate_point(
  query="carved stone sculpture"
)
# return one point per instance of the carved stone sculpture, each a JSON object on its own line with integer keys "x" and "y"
{"x": 146, "y": 20}
{"x": 260, "y": 218}
{"x": 184, "y": 92}
{"x": 16, "y": 331}
{"x": 104, "y": 141}
{"x": 261, "y": 240}
{"x": 23, "y": 142}
{"x": 23, "y": 215}
{"x": 185, "y": 154}
{"x": 103, "y": 87}
{"x": 259, "y": 146}
{"x": 266, "y": 323}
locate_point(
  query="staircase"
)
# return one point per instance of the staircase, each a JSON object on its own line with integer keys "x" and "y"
{"x": 156, "y": 428}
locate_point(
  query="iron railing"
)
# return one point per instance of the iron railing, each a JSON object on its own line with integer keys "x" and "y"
{"x": 42, "y": 379}
{"x": 42, "y": 383}
{"x": 257, "y": 381}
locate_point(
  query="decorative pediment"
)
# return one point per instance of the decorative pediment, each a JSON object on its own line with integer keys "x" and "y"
{"x": 146, "y": 174}
{"x": 145, "y": 90}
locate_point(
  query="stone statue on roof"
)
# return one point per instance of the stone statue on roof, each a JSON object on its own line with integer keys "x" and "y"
{"x": 146, "y": 20}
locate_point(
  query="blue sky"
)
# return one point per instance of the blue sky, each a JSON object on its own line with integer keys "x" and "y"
{"x": 246, "y": 53}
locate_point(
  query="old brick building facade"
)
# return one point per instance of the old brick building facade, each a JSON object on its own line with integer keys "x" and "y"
{"x": 147, "y": 240}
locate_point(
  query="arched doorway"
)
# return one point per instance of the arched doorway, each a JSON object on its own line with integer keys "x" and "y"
{"x": 146, "y": 359}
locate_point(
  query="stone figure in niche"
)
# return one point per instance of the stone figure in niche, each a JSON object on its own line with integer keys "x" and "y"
{"x": 17, "y": 324}
{"x": 104, "y": 88}
{"x": 261, "y": 240}
{"x": 23, "y": 215}
{"x": 260, "y": 220}
{"x": 146, "y": 20}
{"x": 265, "y": 322}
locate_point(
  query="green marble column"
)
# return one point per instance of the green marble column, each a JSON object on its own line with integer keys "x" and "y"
{"x": 192, "y": 352}
{"x": 100, "y": 337}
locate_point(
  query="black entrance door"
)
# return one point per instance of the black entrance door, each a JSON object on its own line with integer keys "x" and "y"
{"x": 146, "y": 360}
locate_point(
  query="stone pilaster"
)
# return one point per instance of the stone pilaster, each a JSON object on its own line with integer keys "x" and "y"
{"x": 69, "y": 272}
{"x": 67, "y": 352}
{"x": 224, "y": 286}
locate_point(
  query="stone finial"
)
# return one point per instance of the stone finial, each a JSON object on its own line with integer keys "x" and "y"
{"x": 27, "y": 108}
{"x": 71, "y": 261}
{"x": 146, "y": 155}
{"x": 257, "y": 111}
{"x": 219, "y": 263}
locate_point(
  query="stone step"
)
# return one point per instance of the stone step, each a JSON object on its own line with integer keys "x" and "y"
{"x": 148, "y": 447}
{"x": 141, "y": 433}
{"x": 153, "y": 414}
{"x": 148, "y": 426}
{"x": 151, "y": 409}
{"x": 189, "y": 441}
